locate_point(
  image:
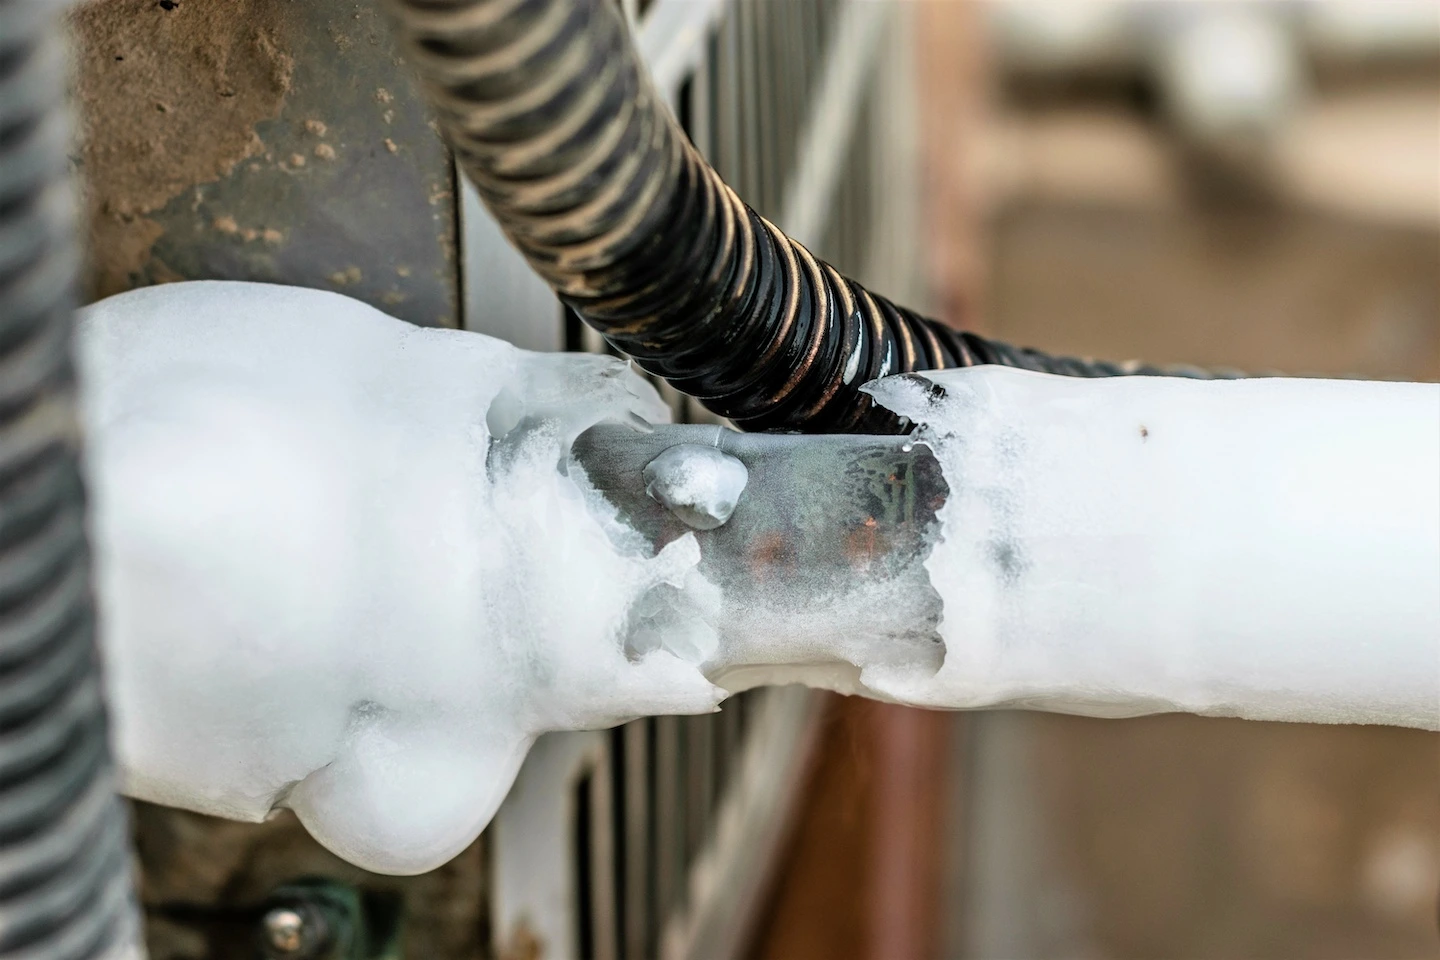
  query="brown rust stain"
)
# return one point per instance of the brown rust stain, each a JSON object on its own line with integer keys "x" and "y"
{"x": 523, "y": 943}
{"x": 349, "y": 275}
{"x": 168, "y": 98}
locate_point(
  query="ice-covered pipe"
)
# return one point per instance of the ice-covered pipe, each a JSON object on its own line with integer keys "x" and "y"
{"x": 1261, "y": 548}
{"x": 1258, "y": 548}
{"x": 353, "y": 567}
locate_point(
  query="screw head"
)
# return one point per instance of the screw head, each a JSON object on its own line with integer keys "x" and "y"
{"x": 293, "y": 933}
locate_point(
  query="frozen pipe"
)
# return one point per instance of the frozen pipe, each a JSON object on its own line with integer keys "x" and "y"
{"x": 1261, "y": 548}
{"x": 353, "y": 568}
{"x": 1267, "y": 548}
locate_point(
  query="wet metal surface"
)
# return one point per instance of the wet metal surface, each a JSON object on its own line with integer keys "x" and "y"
{"x": 851, "y": 504}
{"x": 826, "y": 525}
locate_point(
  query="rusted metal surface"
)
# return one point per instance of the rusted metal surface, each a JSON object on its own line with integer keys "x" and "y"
{"x": 204, "y": 884}
{"x": 262, "y": 140}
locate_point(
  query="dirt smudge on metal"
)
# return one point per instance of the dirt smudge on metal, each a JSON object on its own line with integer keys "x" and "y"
{"x": 168, "y": 98}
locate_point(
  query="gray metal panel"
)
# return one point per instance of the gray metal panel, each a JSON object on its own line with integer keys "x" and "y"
{"x": 348, "y": 188}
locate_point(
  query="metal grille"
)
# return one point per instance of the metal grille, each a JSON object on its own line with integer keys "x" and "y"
{"x": 654, "y": 839}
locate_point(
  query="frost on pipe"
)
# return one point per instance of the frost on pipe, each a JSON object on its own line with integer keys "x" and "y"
{"x": 329, "y": 585}
{"x": 353, "y": 567}
{"x": 1266, "y": 549}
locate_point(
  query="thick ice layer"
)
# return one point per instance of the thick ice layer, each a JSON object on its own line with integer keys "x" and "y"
{"x": 340, "y": 569}
{"x": 1258, "y": 548}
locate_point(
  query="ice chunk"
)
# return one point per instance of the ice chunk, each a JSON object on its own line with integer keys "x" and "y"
{"x": 701, "y": 485}
{"x": 329, "y": 582}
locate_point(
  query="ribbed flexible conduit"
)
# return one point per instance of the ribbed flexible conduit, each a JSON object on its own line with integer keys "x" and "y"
{"x": 64, "y": 867}
{"x": 552, "y": 116}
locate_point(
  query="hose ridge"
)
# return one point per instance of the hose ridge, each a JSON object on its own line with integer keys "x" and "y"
{"x": 64, "y": 867}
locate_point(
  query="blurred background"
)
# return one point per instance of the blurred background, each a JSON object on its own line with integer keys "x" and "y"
{"x": 1254, "y": 185}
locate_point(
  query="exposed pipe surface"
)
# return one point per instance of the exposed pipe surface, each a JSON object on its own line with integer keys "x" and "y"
{"x": 64, "y": 868}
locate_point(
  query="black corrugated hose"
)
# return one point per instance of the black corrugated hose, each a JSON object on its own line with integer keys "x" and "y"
{"x": 64, "y": 865}
{"x": 552, "y": 116}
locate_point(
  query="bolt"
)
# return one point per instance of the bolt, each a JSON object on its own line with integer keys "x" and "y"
{"x": 284, "y": 930}
{"x": 294, "y": 933}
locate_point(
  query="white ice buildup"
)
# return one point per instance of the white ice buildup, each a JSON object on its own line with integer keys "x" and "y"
{"x": 348, "y": 566}
{"x": 327, "y": 585}
{"x": 1263, "y": 548}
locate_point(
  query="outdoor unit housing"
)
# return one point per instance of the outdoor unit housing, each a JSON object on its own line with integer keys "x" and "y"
{"x": 655, "y": 839}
